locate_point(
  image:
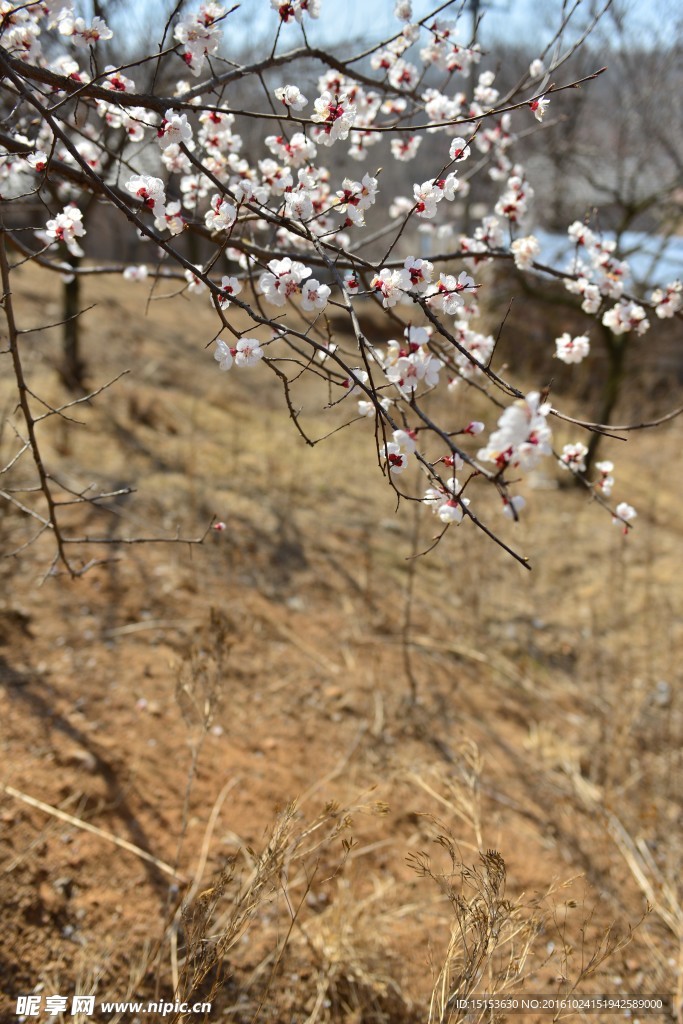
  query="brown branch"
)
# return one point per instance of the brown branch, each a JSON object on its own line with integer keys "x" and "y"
{"x": 606, "y": 428}
{"x": 162, "y": 104}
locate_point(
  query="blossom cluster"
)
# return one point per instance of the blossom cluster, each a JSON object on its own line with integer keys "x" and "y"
{"x": 247, "y": 352}
{"x": 572, "y": 350}
{"x": 523, "y": 436}
{"x": 66, "y": 227}
{"x": 598, "y": 275}
{"x": 199, "y": 34}
{"x": 286, "y": 278}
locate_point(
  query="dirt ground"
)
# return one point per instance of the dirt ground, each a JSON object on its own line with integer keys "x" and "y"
{"x": 282, "y": 721}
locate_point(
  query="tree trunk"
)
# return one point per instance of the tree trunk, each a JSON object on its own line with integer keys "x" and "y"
{"x": 73, "y": 368}
{"x": 616, "y": 348}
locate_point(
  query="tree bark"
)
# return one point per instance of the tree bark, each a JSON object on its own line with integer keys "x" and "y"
{"x": 616, "y": 348}
{"x": 73, "y": 368}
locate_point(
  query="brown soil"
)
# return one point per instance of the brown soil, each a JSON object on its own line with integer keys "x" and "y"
{"x": 181, "y": 697}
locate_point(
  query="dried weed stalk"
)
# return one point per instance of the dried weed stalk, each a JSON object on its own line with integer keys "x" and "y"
{"x": 489, "y": 939}
{"x": 215, "y": 921}
{"x": 499, "y": 947}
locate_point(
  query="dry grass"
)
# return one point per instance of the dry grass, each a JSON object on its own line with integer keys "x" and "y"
{"x": 244, "y": 713}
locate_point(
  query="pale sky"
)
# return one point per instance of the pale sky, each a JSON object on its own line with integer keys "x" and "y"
{"x": 514, "y": 20}
{"x": 345, "y": 22}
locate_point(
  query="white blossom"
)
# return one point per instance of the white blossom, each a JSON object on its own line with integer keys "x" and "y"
{"x": 291, "y": 96}
{"x": 523, "y": 435}
{"x": 572, "y": 350}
